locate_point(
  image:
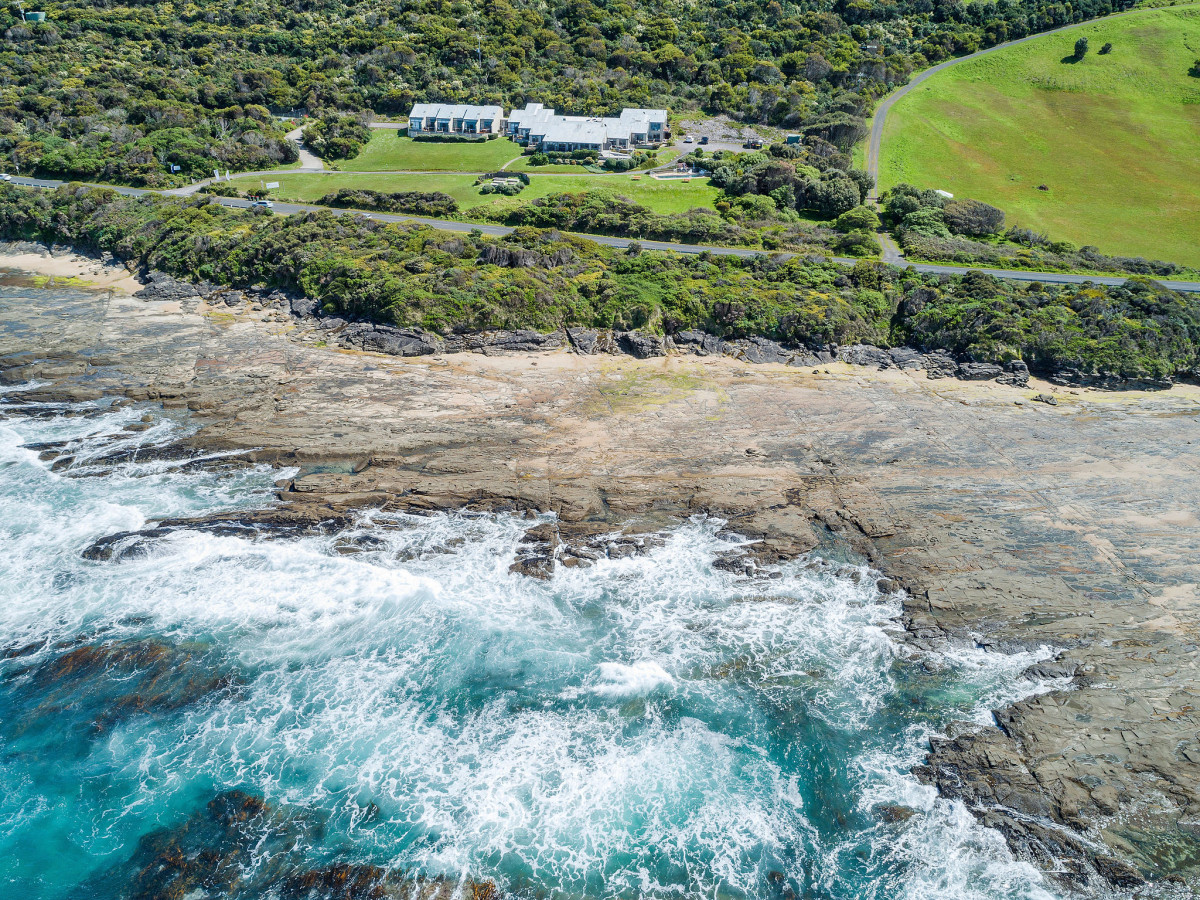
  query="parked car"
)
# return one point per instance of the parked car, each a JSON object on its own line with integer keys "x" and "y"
{"x": 262, "y": 204}
{"x": 704, "y": 139}
{"x": 5, "y": 177}
{"x": 688, "y": 139}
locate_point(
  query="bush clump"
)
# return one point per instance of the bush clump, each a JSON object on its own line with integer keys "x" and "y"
{"x": 337, "y": 135}
{"x": 434, "y": 204}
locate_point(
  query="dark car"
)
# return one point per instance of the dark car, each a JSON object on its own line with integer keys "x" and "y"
{"x": 704, "y": 139}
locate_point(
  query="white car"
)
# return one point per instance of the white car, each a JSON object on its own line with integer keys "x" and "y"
{"x": 688, "y": 139}
{"x": 5, "y": 177}
{"x": 265, "y": 204}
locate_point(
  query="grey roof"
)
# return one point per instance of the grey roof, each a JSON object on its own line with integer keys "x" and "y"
{"x": 574, "y": 130}
{"x": 455, "y": 111}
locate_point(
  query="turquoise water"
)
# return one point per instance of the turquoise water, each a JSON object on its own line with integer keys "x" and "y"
{"x": 648, "y": 727}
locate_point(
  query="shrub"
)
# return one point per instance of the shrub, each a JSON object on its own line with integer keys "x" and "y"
{"x": 539, "y": 159}
{"x": 857, "y": 243}
{"x": 755, "y": 207}
{"x": 972, "y": 217}
{"x": 337, "y": 135}
{"x": 905, "y": 198}
{"x": 1106, "y": 49}
{"x": 434, "y": 204}
{"x": 1026, "y": 236}
{"x": 1081, "y": 48}
{"x": 861, "y": 218}
{"x": 927, "y": 220}
{"x": 833, "y": 195}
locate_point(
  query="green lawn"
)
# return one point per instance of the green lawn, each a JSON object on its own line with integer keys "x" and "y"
{"x": 661, "y": 196}
{"x": 1115, "y": 138}
{"x": 387, "y": 151}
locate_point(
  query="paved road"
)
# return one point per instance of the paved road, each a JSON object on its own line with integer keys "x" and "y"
{"x": 621, "y": 243}
{"x": 881, "y": 111}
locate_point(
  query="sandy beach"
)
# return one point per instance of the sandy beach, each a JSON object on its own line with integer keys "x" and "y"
{"x": 68, "y": 269}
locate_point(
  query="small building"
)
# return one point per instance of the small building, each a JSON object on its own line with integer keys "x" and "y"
{"x": 792, "y": 139}
{"x": 455, "y": 119}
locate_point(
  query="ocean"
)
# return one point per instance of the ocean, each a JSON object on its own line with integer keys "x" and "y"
{"x": 389, "y": 710}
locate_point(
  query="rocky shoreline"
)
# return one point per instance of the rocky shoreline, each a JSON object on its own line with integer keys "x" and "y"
{"x": 1008, "y": 524}
{"x": 373, "y": 337}
{"x": 398, "y": 341}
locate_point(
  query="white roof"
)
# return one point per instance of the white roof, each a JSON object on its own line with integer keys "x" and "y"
{"x": 454, "y": 111}
{"x": 645, "y": 115}
{"x": 573, "y": 130}
{"x": 532, "y": 114}
{"x": 550, "y": 126}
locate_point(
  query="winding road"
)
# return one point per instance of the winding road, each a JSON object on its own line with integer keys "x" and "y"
{"x": 621, "y": 243}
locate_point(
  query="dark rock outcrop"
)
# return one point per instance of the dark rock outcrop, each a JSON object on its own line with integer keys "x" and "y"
{"x": 389, "y": 339}
{"x": 93, "y": 685}
{"x": 161, "y": 286}
{"x": 700, "y": 342}
{"x": 523, "y": 341}
{"x": 940, "y": 364}
{"x": 640, "y": 345}
{"x": 273, "y": 522}
{"x": 906, "y": 358}
{"x": 1016, "y": 374}
{"x": 756, "y": 349}
{"x": 303, "y": 307}
{"x": 865, "y": 355}
{"x": 976, "y": 371}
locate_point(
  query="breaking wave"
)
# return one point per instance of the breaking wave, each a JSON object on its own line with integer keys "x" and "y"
{"x": 647, "y": 727}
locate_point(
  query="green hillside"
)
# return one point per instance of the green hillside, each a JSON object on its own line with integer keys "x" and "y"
{"x": 1114, "y": 138}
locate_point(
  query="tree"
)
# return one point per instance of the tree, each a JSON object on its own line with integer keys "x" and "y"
{"x": 1081, "y": 48}
{"x": 1194, "y": 71}
{"x": 1107, "y": 48}
{"x": 927, "y": 220}
{"x": 972, "y": 217}
{"x": 833, "y": 195}
{"x": 861, "y": 218}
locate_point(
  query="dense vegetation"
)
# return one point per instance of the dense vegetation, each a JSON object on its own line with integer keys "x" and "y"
{"x": 123, "y": 90}
{"x": 411, "y": 275}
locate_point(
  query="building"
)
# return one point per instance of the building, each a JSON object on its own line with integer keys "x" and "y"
{"x": 544, "y": 129}
{"x": 455, "y": 119}
{"x": 541, "y": 128}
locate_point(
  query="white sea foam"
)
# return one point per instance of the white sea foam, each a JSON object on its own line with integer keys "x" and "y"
{"x": 634, "y": 680}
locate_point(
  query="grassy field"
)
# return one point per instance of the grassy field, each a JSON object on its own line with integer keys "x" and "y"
{"x": 662, "y": 196}
{"x": 1114, "y": 138}
{"x": 388, "y": 152}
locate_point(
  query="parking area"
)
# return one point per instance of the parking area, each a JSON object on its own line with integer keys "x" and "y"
{"x": 722, "y": 134}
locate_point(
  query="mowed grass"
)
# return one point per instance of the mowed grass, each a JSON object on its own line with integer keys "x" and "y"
{"x": 1114, "y": 138}
{"x": 387, "y": 151}
{"x": 667, "y": 196}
